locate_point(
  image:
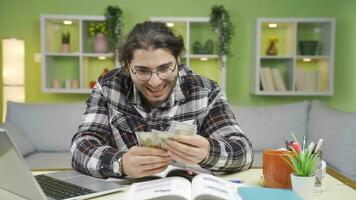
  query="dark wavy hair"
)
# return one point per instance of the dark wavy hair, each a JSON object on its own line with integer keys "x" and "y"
{"x": 150, "y": 35}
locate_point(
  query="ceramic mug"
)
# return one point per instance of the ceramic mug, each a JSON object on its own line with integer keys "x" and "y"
{"x": 276, "y": 169}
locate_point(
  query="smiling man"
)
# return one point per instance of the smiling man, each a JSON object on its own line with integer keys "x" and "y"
{"x": 151, "y": 90}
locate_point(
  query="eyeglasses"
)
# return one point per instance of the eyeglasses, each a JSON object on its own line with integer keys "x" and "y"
{"x": 163, "y": 72}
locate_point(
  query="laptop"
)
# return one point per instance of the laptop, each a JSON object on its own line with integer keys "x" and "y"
{"x": 16, "y": 177}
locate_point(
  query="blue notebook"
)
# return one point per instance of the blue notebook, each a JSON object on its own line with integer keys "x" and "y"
{"x": 259, "y": 193}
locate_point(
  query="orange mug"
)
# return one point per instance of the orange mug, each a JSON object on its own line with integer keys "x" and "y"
{"x": 276, "y": 170}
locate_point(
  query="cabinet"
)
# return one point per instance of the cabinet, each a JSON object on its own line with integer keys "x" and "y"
{"x": 294, "y": 56}
{"x": 202, "y": 59}
{"x": 72, "y": 69}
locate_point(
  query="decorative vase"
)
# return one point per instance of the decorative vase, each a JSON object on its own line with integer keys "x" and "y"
{"x": 209, "y": 46}
{"x": 303, "y": 186}
{"x": 65, "y": 48}
{"x": 272, "y": 49}
{"x": 308, "y": 47}
{"x": 100, "y": 44}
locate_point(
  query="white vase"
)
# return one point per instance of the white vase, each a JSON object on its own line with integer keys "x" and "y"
{"x": 303, "y": 186}
{"x": 100, "y": 44}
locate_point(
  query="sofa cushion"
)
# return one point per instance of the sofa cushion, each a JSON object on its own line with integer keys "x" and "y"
{"x": 338, "y": 130}
{"x": 49, "y": 160}
{"x": 269, "y": 126}
{"x": 22, "y": 143}
{"x": 49, "y": 127}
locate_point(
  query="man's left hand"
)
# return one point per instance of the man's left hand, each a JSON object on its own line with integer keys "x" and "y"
{"x": 190, "y": 149}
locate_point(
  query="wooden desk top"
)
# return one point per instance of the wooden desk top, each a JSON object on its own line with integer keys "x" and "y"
{"x": 331, "y": 187}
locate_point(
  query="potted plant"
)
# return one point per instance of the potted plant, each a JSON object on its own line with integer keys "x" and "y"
{"x": 99, "y": 30}
{"x": 303, "y": 161}
{"x": 65, "y": 48}
{"x": 114, "y": 24}
{"x": 220, "y": 22}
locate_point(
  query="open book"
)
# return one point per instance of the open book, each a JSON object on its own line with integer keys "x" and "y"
{"x": 203, "y": 186}
{"x": 171, "y": 170}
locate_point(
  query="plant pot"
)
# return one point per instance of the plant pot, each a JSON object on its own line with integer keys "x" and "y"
{"x": 100, "y": 44}
{"x": 276, "y": 169}
{"x": 308, "y": 47}
{"x": 65, "y": 48}
{"x": 303, "y": 186}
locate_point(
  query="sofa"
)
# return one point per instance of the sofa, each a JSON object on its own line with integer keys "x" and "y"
{"x": 43, "y": 132}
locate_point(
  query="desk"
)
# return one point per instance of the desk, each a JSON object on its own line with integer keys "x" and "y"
{"x": 331, "y": 188}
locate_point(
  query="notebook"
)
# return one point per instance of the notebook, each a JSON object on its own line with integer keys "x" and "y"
{"x": 259, "y": 193}
{"x": 16, "y": 178}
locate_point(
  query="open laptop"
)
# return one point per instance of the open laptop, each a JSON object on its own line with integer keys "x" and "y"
{"x": 16, "y": 177}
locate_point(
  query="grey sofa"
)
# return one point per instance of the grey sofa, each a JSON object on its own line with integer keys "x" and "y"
{"x": 268, "y": 127}
{"x": 43, "y": 131}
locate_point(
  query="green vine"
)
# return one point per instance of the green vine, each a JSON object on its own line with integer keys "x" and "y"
{"x": 114, "y": 24}
{"x": 220, "y": 22}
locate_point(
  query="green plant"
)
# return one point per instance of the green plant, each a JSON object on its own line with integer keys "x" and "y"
{"x": 114, "y": 24}
{"x": 97, "y": 27}
{"x": 66, "y": 37}
{"x": 302, "y": 160}
{"x": 220, "y": 22}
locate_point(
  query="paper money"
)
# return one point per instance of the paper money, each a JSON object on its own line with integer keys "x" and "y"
{"x": 163, "y": 136}
{"x": 182, "y": 128}
{"x": 158, "y": 139}
{"x": 147, "y": 139}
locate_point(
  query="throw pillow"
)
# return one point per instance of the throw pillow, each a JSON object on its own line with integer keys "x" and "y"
{"x": 268, "y": 126}
{"x": 338, "y": 130}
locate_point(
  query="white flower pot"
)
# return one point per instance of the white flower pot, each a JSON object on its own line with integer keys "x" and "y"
{"x": 303, "y": 186}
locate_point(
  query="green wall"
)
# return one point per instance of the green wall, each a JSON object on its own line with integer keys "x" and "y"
{"x": 19, "y": 18}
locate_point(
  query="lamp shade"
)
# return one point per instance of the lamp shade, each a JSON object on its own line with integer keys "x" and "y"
{"x": 13, "y": 55}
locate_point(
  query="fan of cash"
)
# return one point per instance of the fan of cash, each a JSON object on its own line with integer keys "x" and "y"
{"x": 158, "y": 139}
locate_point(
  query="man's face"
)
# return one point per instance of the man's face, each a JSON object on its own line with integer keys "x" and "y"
{"x": 157, "y": 89}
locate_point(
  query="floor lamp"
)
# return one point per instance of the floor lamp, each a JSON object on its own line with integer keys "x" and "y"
{"x": 13, "y": 67}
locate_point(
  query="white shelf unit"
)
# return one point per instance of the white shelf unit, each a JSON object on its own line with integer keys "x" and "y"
{"x": 80, "y": 64}
{"x": 310, "y": 73}
{"x": 198, "y": 29}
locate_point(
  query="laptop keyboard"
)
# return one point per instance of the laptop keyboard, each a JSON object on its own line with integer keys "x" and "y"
{"x": 58, "y": 189}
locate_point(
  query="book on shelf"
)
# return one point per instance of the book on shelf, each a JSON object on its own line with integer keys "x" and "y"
{"x": 308, "y": 80}
{"x": 278, "y": 80}
{"x": 202, "y": 186}
{"x": 266, "y": 79}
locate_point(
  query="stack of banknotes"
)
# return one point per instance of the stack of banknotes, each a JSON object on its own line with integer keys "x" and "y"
{"x": 158, "y": 139}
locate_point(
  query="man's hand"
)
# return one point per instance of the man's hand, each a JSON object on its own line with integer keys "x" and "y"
{"x": 144, "y": 161}
{"x": 190, "y": 149}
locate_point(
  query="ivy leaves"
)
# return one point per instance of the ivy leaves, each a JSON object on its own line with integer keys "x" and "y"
{"x": 220, "y": 21}
{"x": 114, "y": 23}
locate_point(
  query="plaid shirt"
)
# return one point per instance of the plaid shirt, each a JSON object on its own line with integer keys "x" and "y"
{"x": 114, "y": 112}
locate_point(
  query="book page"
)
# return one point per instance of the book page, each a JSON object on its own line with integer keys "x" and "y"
{"x": 211, "y": 187}
{"x": 170, "y": 188}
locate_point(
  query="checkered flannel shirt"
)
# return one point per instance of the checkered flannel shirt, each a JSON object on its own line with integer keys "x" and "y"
{"x": 114, "y": 113}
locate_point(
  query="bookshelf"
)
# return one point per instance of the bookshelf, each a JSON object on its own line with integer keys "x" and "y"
{"x": 198, "y": 29}
{"x": 75, "y": 69}
{"x": 301, "y": 58}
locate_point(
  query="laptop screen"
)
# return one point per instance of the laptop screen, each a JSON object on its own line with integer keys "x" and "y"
{"x": 14, "y": 172}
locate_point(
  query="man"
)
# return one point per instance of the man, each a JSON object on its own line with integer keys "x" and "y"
{"x": 151, "y": 90}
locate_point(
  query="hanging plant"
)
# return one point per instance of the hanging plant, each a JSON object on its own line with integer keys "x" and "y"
{"x": 114, "y": 24}
{"x": 220, "y": 22}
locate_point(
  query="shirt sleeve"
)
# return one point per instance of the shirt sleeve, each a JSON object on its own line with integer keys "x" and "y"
{"x": 230, "y": 150}
{"x": 93, "y": 147}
